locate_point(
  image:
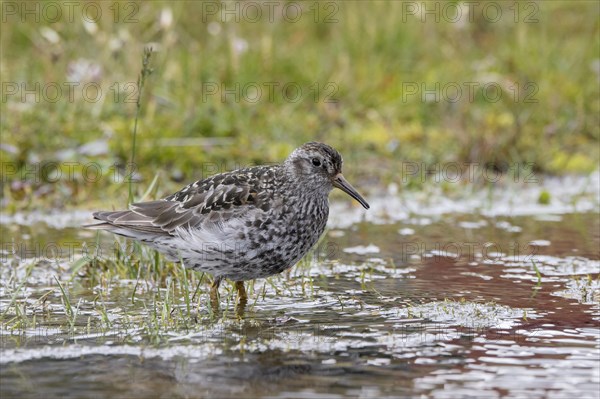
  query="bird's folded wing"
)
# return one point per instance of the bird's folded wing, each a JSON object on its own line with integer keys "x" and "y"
{"x": 208, "y": 204}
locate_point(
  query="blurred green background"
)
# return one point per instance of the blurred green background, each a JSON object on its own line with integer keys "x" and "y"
{"x": 236, "y": 83}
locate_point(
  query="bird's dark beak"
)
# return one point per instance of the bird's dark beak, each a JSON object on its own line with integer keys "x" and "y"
{"x": 340, "y": 182}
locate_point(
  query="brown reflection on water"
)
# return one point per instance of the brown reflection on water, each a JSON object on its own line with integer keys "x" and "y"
{"x": 355, "y": 356}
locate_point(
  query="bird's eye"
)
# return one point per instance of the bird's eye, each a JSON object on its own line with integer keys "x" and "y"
{"x": 316, "y": 162}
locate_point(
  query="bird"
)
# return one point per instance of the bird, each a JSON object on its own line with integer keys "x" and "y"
{"x": 244, "y": 224}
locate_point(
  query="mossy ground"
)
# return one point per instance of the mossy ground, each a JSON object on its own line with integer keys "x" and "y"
{"x": 376, "y": 81}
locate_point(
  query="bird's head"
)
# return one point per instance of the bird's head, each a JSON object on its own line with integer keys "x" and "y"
{"x": 319, "y": 166}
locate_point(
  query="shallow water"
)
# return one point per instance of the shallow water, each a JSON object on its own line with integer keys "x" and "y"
{"x": 446, "y": 304}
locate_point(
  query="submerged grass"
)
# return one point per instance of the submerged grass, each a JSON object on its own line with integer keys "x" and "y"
{"x": 137, "y": 297}
{"x": 134, "y": 295}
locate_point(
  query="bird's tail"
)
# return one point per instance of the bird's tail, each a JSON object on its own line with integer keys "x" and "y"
{"x": 125, "y": 223}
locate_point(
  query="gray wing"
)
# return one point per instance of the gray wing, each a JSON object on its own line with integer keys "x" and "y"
{"x": 214, "y": 203}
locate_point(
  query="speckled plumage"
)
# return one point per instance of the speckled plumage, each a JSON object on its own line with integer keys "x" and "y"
{"x": 245, "y": 224}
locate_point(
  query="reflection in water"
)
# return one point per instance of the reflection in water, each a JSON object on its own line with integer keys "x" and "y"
{"x": 444, "y": 306}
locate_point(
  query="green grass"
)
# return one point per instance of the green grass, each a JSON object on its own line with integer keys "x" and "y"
{"x": 144, "y": 73}
{"x": 365, "y": 62}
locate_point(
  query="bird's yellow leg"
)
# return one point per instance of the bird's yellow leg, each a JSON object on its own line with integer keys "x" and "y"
{"x": 214, "y": 291}
{"x": 239, "y": 286}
